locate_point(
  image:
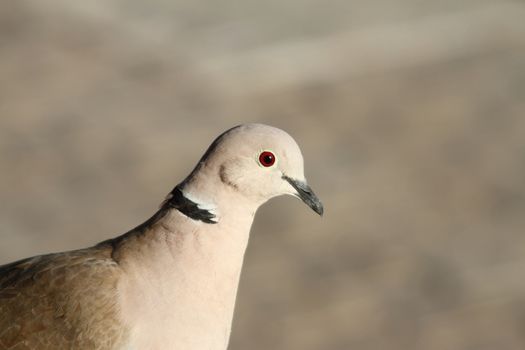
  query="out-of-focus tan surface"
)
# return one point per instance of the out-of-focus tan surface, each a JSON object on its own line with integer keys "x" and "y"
{"x": 410, "y": 114}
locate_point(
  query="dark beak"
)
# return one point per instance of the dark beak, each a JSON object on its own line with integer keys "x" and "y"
{"x": 305, "y": 193}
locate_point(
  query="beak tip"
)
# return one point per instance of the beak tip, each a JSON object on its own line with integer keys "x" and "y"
{"x": 305, "y": 193}
{"x": 319, "y": 209}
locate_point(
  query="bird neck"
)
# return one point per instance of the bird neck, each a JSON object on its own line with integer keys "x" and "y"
{"x": 212, "y": 193}
{"x": 185, "y": 272}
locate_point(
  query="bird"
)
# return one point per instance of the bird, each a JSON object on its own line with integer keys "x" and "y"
{"x": 171, "y": 282}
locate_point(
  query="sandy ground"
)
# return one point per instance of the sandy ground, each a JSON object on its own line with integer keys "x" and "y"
{"x": 411, "y": 116}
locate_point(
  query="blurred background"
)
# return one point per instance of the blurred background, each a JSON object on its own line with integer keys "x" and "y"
{"x": 410, "y": 114}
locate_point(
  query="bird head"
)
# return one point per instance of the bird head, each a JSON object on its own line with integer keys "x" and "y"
{"x": 258, "y": 162}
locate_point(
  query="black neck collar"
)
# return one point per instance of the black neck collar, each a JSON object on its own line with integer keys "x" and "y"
{"x": 177, "y": 200}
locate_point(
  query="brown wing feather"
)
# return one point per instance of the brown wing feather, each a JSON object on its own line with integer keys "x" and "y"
{"x": 61, "y": 301}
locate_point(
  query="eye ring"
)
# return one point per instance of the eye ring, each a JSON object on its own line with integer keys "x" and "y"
{"x": 267, "y": 159}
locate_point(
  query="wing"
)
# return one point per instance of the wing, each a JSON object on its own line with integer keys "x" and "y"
{"x": 60, "y": 301}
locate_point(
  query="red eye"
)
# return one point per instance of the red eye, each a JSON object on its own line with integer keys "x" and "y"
{"x": 266, "y": 159}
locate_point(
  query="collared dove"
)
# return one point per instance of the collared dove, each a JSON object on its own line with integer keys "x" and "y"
{"x": 169, "y": 283}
